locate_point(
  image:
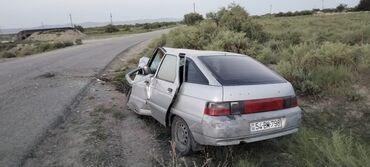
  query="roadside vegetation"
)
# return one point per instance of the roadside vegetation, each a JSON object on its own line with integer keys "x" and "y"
{"x": 11, "y": 46}
{"x": 127, "y": 28}
{"x": 325, "y": 57}
{"x": 20, "y": 49}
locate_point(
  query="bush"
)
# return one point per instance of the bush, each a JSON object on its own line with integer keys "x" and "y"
{"x": 184, "y": 37}
{"x": 229, "y": 41}
{"x": 236, "y": 18}
{"x": 8, "y": 55}
{"x": 311, "y": 148}
{"x": 192, "y": 18}
{"x": 111, "y": 29}
{"x": 79, "y": 28}
{"x": 45, "y": 47}
{"x": 233, "y": 17}
{"x": 341, "y": 7}
{"x": 364, "y": 5}
{"x": 58, "y": 45}
{"x": 78, "y": 41}
{"x": 68, "y": 43}
{"x": 353, "y": 95}
{"x": 313, "y": 69}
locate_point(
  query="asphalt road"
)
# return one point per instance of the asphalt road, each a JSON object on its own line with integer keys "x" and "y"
{"x": 36, "y": 90}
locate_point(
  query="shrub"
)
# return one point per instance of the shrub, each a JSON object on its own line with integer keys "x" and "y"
{"x": 184, "y": 37}
{"x": 364, "y": 5}
{"x": 79, "y": 28}
{"x": 330, "y": 76}
{"x": 311, "y": 148}
{"x": 233, "y": 17}
{"x": 8, "y": 55}
{"x": 111, "y": 28}
{"x": 229, "y": 41}
{"x": 353, "y": 95}
{"x": 45, "y": 47}
{"x": 236, "y": 18}
{"x": 341, "y": 7}
{"x": 78, "y": 41}
{"x": 68, "y": 43}
{"x": 192, "y": 18}
{"x": 313, "y": 70}
{"x": 58, "y": 45}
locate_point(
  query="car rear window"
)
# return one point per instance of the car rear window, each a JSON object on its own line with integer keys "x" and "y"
{"x": 240, "y": 70}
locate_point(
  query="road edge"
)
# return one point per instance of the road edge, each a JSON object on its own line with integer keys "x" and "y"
{"x": 73, "y": 104}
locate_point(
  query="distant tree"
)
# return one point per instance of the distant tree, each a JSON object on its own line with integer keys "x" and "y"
{"x": 192, "y": 18}
{"x": 364, "y": 5}
{"x": 111, "y": 28}
{"x": 79, "y": 28}
{"x": 341, "y": 7}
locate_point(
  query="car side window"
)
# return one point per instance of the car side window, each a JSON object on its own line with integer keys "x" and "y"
{"x": 168, "y": 69}
{"x": 193, "y": 74}
{"x": 156, "y": 61}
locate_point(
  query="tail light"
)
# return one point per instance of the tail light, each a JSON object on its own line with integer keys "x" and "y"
{"x": 217, "y": 109}
{"x": 249, "y": 106}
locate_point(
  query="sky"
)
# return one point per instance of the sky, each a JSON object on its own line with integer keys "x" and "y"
{"x": 32, "y": 13}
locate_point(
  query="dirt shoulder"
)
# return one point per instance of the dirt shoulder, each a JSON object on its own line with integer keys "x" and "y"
{"x": 101, "y": 132}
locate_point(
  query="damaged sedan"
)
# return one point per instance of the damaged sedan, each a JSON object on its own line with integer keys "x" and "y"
{"x": 212, "y": 98}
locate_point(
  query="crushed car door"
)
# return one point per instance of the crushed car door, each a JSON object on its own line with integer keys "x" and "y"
{"x": 140, "y": 91}
{"x": 164, "y": 86}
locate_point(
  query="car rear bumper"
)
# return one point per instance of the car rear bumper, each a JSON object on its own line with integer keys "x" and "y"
{"x": 231, "y": 130}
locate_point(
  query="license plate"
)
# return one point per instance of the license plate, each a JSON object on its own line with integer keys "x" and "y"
{"x": 264, "y": 125}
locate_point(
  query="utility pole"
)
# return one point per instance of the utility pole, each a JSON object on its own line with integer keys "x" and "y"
{"x": 194, "y": 7}
{"x": 70, "y": 18}
{"x": 111, "y": 19}
{"x": 271, "y": 9}
{"x": 322, "y": 4}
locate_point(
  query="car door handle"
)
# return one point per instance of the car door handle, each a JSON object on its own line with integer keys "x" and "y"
{"x": 169, "y": 90}
{"x": 146, "y": 82}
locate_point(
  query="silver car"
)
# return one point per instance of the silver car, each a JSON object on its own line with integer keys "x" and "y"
{"x": 213, "y": 98}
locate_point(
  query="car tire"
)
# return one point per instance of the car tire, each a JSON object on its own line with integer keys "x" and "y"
{"x": 182, "y": 138}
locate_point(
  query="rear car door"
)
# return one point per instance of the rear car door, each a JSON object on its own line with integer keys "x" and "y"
{"x": 164, "y": 86}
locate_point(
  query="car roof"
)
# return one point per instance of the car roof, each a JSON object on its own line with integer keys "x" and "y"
{"x": 195, "y": 53}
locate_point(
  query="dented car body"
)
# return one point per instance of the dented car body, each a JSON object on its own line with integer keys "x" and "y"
{"x": 213, "y": 98}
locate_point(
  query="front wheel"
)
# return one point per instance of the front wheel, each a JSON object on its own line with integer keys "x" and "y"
{"x": 181, "y": 136}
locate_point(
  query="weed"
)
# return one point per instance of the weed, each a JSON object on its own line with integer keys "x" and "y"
{"x": 118, "y": 115}
{"x": 8, "y": 55}
{"x": 78, "y": 41}
{"x": 353, "y": 96}
{"x": 102, "y": 109}
{"x": 100, "y": 133}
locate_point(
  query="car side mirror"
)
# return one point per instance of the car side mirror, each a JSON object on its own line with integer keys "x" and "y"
{"x": 143, "y": 62}
{"x": 146, "y": 70}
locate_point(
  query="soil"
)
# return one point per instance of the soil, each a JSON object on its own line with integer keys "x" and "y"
{"x": 69, "y": 35}
{"x": 100, "y": 131}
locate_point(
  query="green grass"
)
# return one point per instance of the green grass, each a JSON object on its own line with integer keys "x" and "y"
{"x": 323, "y": 57}
{"x": 22, "y": 48}
{"x": 129, "y": 29}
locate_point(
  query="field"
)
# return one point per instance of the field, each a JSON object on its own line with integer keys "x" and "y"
{"x": 325, "y": 57}
{"x": 95, "y": 32}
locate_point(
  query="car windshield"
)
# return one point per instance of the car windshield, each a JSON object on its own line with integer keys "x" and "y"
{"x": 240, "y": 70}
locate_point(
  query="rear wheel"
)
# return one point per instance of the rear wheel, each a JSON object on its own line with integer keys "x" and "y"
{"x": 181, "y": 136}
